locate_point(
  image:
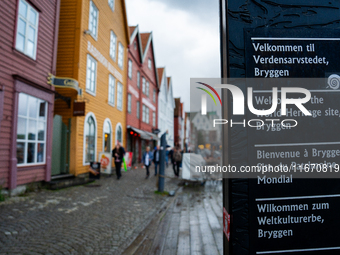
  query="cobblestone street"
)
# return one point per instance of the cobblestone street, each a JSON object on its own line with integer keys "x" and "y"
{"x": 103, "y": 217}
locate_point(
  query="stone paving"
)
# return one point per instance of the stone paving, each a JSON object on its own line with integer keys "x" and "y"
{"x": 99, "y": 218}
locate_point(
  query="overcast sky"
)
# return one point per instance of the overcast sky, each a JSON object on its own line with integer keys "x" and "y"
{"x": 186, "y": 38}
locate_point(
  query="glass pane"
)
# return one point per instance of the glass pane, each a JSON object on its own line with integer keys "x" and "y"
{"x": 42, "y": 111}
{"x": 23, "y": 8}
{"x": 33, "y": 17}
{"x": 30, "y": 48}
{"x": 22, "y": 104}
{"x": 22, "y": 27}
{"x": 20, "y": 152}
{"x": 107, "y": 128}
{"x": 41, "y": 152}
{"x": 21, "y": 129}
{"x": 32, "y": 129}
{"x": 41, "y": 131}
{"x": 20, "y": 42}
{"x": 31, "y": 34}
{"x": 30, "y": 152}
{"x": 32, "y": 107}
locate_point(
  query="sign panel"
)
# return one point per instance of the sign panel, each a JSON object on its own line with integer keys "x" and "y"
{"x": 105, "y": 162}
{"x": 289, "y": 214}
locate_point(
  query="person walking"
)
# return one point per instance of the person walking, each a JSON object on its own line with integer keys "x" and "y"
{"x": 177, "y": 158}
{"x": 146, "y": 160}
{"x": 156, "y": 158}
{"x": 118, "y": 154}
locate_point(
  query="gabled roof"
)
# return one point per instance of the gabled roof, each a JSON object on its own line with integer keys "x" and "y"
{"x": 134, "y": 31}
{"x": 145, "y": 40}
{"x": 126, "y": 22}
{"x": 160, "y": 72}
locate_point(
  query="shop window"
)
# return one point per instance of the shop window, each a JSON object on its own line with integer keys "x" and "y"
{"x": 27, "y": 29}
{"x": 31, "y": 130}
{"x": 90, "y": 138}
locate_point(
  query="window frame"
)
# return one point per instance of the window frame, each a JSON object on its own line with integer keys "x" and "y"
{"x": 119, "y": 94}
{"x": 95, "y": 76}
{"x": 113, "y": 45}
{"x": 143, "y": 84}
{"x": 154, "y": 119}
{"x": 138, "y": 110}
{"x": 130, "y": 69}
{"x": 95, "y": 36}
{"x": 112, "y": 7}
{"x": 147, "y": 90}
{"x": 120, "y": 55}
{"x": 129, "y": 102}
{"x": 119, "y": 125}
{"x": 28, "y": 24}
{"x": 107, "y": 120}
{"x": 138, "y": 79}
{"x": 112, "y": 90}
{"x": 36, "y": 141}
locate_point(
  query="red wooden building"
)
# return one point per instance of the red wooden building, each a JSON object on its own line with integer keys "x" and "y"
{"x": 142, "y": 96}
{"x": 29, "y": 31}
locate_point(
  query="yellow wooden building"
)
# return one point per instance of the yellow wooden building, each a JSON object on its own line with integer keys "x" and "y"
{"x": 92, "y": 50}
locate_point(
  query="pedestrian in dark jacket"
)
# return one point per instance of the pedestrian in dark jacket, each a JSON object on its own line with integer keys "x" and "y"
{"x": 177, "y": 160}
{"x": 156, "y": 158}
{"x": 147, "y": 159}
{"x": 118, "y": 154}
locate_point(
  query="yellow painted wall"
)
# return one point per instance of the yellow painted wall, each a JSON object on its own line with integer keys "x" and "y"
{"x": 73, "y": 48}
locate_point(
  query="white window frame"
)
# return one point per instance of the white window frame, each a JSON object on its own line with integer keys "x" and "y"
{"x": 112, "y": 90}
{"x": 36, "y": 141}
{"x": 138, "y": 79}
{"x": 90, "y": 114}
{"x": 130, "y": 69}
{"x": 138, "y": 109}
{"x": 94, "y": 8}
{"x": 28, "y": 24}
{"x": 129, "y": 101}
{"x": 119, "y": 96}
{"x": 143, "y": 85}
{"x": 147, "y": 88}
{"x": 143, "y": 113}
{"x": 113, "y": 45}
{"x": 154, "y": 118}
{"x": 120, "y": 55}
{"x": 112, "y": 4}
{"x": 88, "y": 90}
{"x": 147, "y": 111}
{"x": 149, "y": 63}
{"x": 116, "y": 132}
{"x": 107, "y": 120}
{"x": 154, "y": 95}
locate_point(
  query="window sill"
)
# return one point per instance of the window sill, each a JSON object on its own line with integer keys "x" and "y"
{"x": 113, "y": 105}
{"x": 90, "y": 92}
{"x": 22, "y": 55}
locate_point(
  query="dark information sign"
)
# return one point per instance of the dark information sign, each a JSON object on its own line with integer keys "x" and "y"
{"x": 288, "y": 214}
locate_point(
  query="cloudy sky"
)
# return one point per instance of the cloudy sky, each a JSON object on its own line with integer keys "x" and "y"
{"x": 186, "y": 38}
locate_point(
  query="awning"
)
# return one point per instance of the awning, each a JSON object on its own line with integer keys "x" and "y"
{"x": 144, "y": 134}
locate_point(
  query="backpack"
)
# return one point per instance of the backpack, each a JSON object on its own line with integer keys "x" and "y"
{"x": 177, "y": 156}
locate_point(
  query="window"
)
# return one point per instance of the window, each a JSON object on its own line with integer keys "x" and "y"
{"x": 149, "y": 63}
{"x": 113, "y": 42}
{"x": 130, "y": 69}
{"x": 112, "y": 82}
{"x": 112, "y": 4}
{"x": 93, "y": 20}
{"x": 129, "y": 103}
{"x": 154, "y": 95}
{"x": 120, "y": 96}
{"x": 143, "y": 85}
{"x": 31, "y": 130}
{"x": 120, "y": 55}
{"x": 138, "y": 79}
{"x": 147, "y": 117}
{"x": 143, "y": 113}
{"x": 107, "y": 130}
{"x": 138, "y": 109}
{"x": 91, "y": 73}
{"x": 27, "y": 29}
{"x": 154, "y": 119}
{"x": 90, "y": 136}
{"x": 119, "y": 133}
{"x": 147, "y": 88}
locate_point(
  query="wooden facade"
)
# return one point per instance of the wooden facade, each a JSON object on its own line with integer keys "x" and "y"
{"x": 24, "y": 71}
{"x": 75, "y": 46}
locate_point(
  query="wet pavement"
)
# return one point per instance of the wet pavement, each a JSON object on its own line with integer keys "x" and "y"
{"x": 104, "y": 217}
{"x": 192, "y": 224}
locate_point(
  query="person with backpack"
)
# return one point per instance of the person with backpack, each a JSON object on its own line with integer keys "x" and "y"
{"x": 177, "y": 159}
